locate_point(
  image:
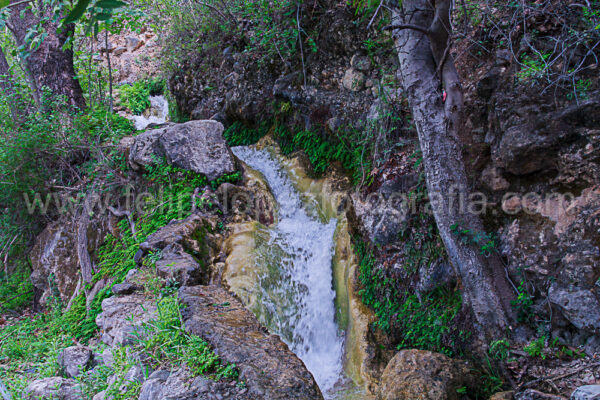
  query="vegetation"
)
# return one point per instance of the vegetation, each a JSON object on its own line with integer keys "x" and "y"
{"x": 136, "y": 97}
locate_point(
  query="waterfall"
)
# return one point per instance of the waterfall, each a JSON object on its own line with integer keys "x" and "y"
{"x": 156, "y": 114}
{"x": 296, "y": 292}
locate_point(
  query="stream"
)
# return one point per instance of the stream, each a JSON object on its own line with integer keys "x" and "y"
{"x": 295, "y": 290}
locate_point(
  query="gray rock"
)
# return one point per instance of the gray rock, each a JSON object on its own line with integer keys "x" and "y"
{"x": 55, "y": 388}
{"x": 589, "y": 392}
{"x": 265, "y": 363}
{"x": 108, "y": 358}
{"x": 592, "y": 346}
{"x": 196, "y": 146}
{"x": 133, "y": 43}
{"x": 152, "y": 389}
{"x": 74, "y": 360}
{"x": 124, "y": 288}
{"x": 160, "y": 374}
{"x": 579, "y": 306}
{"x": 100, "y": 395}
{"x": 353, "y": 80}
{"x": 121, "y": 315}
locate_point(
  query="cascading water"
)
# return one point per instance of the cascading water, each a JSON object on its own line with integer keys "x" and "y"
{"x": 296, "y": 295}
{"x": 156, "y": 114}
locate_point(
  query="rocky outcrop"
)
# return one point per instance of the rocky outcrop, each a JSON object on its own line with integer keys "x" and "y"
{"x": 196, "y": 146}
{"x": 265, "y": 363}
{"x": 55, "y": 261}
{"x": 419, "y": 374}
{"x": 121, "y": 316}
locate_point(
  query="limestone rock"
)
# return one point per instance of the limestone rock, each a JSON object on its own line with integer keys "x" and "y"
{"x": 55, "y": 388}
{"x": 121, "y": 315}
{"x": 54, "y": 256}
{"x": 74, "y": 360}
{"x": 580, "y": 307}
{"x": 353, "y": 80}
{"x": 124, "y": 288}
{"x": 265, "y": 363}
{"x": 419, "y": 374}
{"x": 589, "y": 392}
{"x": 196, "y": 146}
{"x": 493, "y": 179}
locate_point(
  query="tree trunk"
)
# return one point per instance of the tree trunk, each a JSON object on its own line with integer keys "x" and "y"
{"x": 48, "y": 66}
{"x": 421, "y": 31}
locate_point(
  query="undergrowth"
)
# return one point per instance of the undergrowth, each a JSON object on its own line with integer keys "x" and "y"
{"x": 136, "y": 97}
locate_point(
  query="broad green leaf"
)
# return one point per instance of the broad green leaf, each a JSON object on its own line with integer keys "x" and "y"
{"x": 110, "y": 4}
{"x": 103, "y": 16}
{"x": 77, "y": 11}
{"x": 4, "y": 3}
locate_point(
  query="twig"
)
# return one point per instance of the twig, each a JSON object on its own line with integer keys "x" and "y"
{"x": 300, "y": 40}
{"x": 375, "y": 15}
{"x": 407, "y": 26}
{"x": 554, "y": 378}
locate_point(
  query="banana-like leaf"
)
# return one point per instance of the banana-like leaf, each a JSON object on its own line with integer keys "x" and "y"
{"x": 110, "y": 4}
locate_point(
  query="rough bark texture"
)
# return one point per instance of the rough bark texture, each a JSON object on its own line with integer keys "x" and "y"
{"x": 49, "y": 65}
{"x": 420, "y": 53}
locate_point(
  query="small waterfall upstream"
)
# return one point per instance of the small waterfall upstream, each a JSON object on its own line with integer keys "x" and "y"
{"x": 296, "y": 295}
{"x": 156, "y": 114}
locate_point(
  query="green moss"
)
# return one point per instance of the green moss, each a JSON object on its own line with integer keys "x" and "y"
{"x": 239, "y": 134}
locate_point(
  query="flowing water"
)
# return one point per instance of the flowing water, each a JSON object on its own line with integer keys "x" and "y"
{"x": 156, "y": 114}
{"x": 296, "y": 295}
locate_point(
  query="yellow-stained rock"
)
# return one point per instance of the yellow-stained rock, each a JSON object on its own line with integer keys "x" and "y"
{"x": 423, "y": 375}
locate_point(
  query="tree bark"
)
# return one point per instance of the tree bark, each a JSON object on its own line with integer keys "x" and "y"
{"x": 427, "y": 68}
{"x": 48, "y": 66}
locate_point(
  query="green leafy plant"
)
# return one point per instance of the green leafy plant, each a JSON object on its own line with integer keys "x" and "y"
{"x": 536, "y": 348}
{"x": 499, "y": 349}
{"x": 136, "y": 97}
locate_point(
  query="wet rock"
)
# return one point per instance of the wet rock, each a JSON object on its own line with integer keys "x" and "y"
{"x": 589, "y": 392}
{"x": 121, "y": 315}
{"x": 53, "y": 389}
{"x": 74, "y": 360}
{"x": 353, "y": 80}
{"x": 196, "y": 146}
{"x": 265, "y": 363}
{"x": 419, "y": 374}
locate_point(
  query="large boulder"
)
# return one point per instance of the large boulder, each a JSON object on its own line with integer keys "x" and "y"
{"x": 196, "y": 146}
{"x": 180, "y": 385}
{"x": 264, "y": 361}
{"x": 55, "y": 388}
{"x": 423, "y": 375}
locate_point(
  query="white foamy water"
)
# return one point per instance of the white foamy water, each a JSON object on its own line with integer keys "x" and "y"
{"x": 159, "y": 110}
{"x": 296, "y": 292}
